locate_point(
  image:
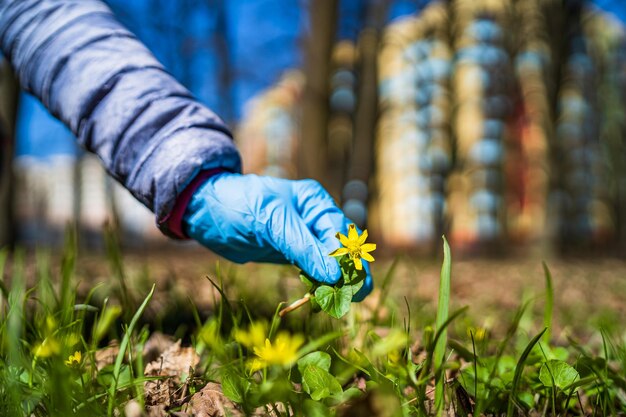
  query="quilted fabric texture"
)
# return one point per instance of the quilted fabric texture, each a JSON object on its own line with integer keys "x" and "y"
{"x": 94, "y": 75}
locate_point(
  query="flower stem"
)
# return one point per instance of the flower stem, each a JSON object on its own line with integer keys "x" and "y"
{"x": 295, "y": 305}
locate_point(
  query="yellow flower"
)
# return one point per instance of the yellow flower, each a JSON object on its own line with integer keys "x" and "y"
{"x": 254, "y": 337}
{"x": 75, "y": 359}
{"x": 48, "y": 347}
{"x": 479, "y": 333}
{"x": 284, "y": 351}
{"x": 355, "y": 247}
{"x": 394, "y": 356}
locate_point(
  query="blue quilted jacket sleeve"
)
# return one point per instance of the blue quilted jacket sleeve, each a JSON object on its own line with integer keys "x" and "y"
{"x": 95, "y": 76}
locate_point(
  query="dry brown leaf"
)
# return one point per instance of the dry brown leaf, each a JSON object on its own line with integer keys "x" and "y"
{"x": 156, "y": 345}
{"x": 106, "y": 356}
{"x": 174, "y": 365}
{"x": 211, "y": 402}
{"x": 160, "y": 392}
{"x": 174, "y": 362}
{"x": 156, "y": 411}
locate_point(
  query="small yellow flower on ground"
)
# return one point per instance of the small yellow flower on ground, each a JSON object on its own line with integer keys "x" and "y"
{"x": 479, "y": 333}
{"x": 283, "y": 351}
{"x": 255, "y": 336}
{"x": 75, "y": 359}
{"x": 355, "y": 247}
{"x": 48, "y": 347}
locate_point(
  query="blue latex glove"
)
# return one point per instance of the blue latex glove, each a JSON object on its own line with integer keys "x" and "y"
{"x": 263, "y": 219}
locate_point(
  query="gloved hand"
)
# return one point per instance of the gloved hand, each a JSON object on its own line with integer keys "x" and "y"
{"x": 263, "y": 219}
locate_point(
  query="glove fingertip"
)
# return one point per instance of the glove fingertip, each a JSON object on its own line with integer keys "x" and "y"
{"x": 332, "y": 271}
{"x": 322, "y": 271}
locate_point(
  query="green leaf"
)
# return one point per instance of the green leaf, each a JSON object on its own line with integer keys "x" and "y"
{"x": 547, "y": 315}
{"x": 319, "y": 383}
{"x": 350, "y": 394}
{"x": 308, "y": 282}
{"x": 234, "y": 386}
{"x": 557, "y": 373}
{"x": 106, "y": 319}
{"x": 315, "y": 409}
{"x": 333, "y": 300}
{"x": 442, "y": 317}
{"x": 122, "y": 352}
{"x": 351, "y": 275}
{"x": 321, "y": 359}
{"x": 518, "y": 372}
{"x": 395, "y": 340}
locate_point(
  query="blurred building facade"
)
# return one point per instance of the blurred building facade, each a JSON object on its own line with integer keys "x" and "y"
{"x": 536, "y": 130}
{"x": 437, "y": 118}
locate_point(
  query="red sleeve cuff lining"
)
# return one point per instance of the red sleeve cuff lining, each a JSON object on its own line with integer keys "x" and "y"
{"x": 173, "y": 222}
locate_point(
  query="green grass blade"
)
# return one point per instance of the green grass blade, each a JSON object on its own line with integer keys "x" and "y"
{"x": 3, "y": 258}
{"x": 140, "y": 366}
{"x": 518, "y": 372}
{"x": 4, "y": 291}
{"x": 123, "y": 347}
{"x": 115, "y": 258}
{"x": 547, "y": 315}
{"x": 442, "y": 329}
{"x": 15, "y": 315}
{"x": 384, "y": 288}
{"x": 509, "y": 336}
{"x": 68, "y": 266}
{"x": 275, "y": 321}
{"x": 475, "y": 365}
{"x": 442, "y": 317}
{"x": 321, "y": 341}
{"x": 224, "y": 302}
{"x": 407, "y": 325}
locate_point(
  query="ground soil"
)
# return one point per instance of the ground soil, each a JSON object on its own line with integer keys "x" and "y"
{"x": 589, "y": 292}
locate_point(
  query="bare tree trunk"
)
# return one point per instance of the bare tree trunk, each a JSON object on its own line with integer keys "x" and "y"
{"x": 367, "y": 108}
{"x": 313, "y": 145}
{"x": 8, "y": 109}
{"x": 366, "y": 116}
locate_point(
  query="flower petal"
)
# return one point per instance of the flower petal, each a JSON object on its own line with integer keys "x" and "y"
{"x": 363, "y": 237}
{"x": 343, "y": 239}
{"x": 339, "y": 252}
{"x": 368, "y": 247}
{"x": 367, "y": 257}
{"x": 256, "y": 365}
{"x": 353, "y": 235}
{"x": 358, "y": 264}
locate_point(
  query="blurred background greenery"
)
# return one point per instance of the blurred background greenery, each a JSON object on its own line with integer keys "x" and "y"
{"x": 500, "y": 123}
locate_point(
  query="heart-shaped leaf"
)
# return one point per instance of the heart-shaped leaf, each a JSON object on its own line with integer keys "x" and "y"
{"x": 321, "y": 359}
{"x": 557, "y": 373}
{"x": 319, "y": 383}
{"x": 334, "y": 300}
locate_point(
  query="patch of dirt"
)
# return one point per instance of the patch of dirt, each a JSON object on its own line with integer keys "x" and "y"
{"x": 586, "y": 289}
